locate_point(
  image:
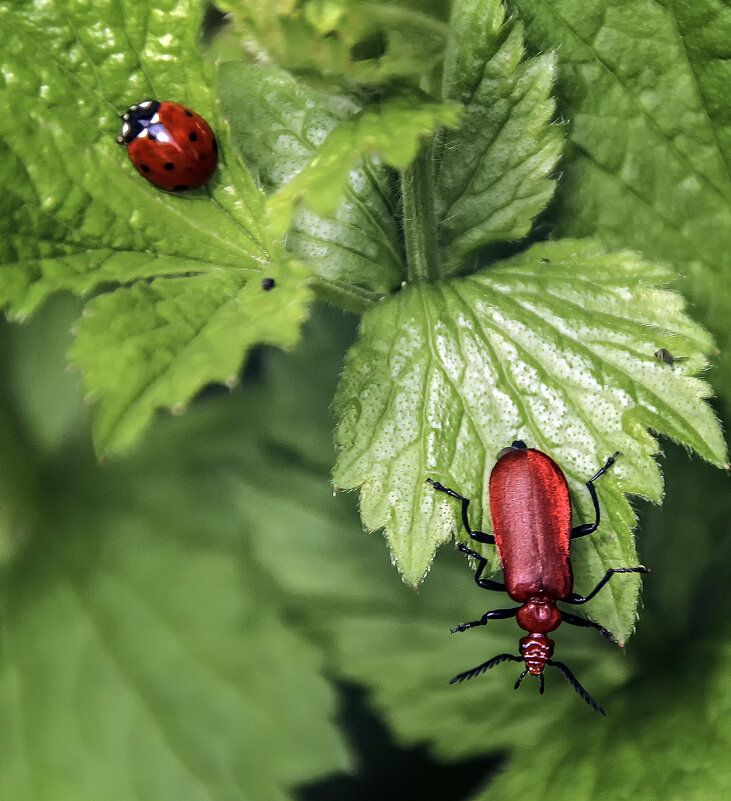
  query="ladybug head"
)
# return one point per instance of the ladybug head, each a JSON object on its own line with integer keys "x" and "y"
{"x": 137, "y": 119}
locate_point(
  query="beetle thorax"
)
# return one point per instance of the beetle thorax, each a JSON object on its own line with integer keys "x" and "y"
{"x": 536, "y": 650}
{"x": 539, "y": 615}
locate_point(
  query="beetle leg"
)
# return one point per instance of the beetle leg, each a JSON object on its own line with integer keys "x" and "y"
{"x": 495, "y": 614}
{"x": 479, "y": 536}
{"x": 486, "y": 584}
{"x": 588, "y": 528}
{"x": 575, "y": 620}
{"x": 575, "y": 598}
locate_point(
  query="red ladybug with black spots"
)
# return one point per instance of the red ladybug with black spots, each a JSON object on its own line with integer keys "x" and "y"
{"x": 170, "y": 145}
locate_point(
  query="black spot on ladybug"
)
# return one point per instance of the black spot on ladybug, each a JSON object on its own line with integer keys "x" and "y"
{"x": 215, "y": 145}
{"x": 193, "y": 136}
{"x": 267, "y": 284}
{"x": 188, "y": 112}
{"x": 202, "y": 156}
{"x": 180, "y": 188}
{"x": 144, "y": 168}
{"x": 169, "y": 165}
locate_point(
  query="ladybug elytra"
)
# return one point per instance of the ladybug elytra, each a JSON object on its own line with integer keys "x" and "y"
{"x": 169, "y": 144}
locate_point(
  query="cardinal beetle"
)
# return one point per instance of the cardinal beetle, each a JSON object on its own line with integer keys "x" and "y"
{"x": 531, "y": 520}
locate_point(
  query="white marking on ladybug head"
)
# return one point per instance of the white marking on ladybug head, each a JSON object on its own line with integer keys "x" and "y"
{"x": 143, "y": 134}
{"x": 125, "y": 116}
{"x": 155, "y": 118}
{"x": 146, "y": 104}
{"x": 125, "y": 129}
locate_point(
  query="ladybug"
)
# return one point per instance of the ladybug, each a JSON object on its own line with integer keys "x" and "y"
{"x": 169, "y": 144}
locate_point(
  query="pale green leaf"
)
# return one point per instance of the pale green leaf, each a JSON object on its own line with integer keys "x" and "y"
{"x": 155, "y": 345}
{"x": 278, "y": 125}
{"x": 493, "y": 171}
{"x": 555, "y": 347}
{"x": 647, "y": 91}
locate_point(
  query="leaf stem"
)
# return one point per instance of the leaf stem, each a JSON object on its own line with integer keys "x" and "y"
{"x": 345, "y": 296}
{"x": 420, "y": 225}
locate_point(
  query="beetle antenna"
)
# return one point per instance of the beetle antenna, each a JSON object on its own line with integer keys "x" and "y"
{"x": 496, "y": 660}
{"x": 520, "y": 678}
{"x": 574, "y": 682}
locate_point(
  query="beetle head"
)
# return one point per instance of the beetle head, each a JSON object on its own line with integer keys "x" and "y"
{"x": 536, "y": 649}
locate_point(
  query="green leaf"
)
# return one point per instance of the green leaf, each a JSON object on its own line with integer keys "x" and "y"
{"x": 493, "y": 171}
{"x": 277, "y": 126}
{"x": 352, "y": 42}
{"x": 155, "y": 345}
{"x": 79, "y": 218}
{"x": 648, "y": 163}
{"x": 555, "y": 347}
{"x": 391, "y": 130}
{"x": 76, "y": 215}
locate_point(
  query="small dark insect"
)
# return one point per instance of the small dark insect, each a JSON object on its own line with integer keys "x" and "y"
{"x": 531, "y": 519}
{"x": 664, "y": 355}
{"x": 268, "y": 283}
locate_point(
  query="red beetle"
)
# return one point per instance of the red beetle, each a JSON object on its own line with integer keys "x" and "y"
{"x": 170, "y": 145}
{"x": 531, "y": 520}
